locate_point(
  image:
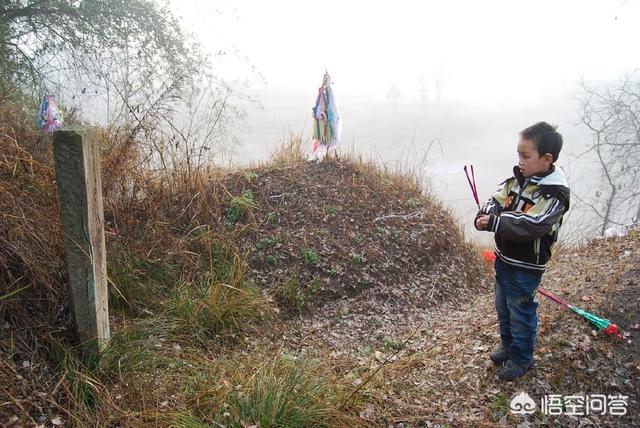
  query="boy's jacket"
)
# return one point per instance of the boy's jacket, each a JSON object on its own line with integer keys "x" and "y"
{"x": 525, "y": 215}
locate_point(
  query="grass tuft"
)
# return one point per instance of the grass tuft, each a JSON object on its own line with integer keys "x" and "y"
{"x": 295, "y": 298}
{"x": 221, "y": 302}
{"x": 209, "y": 309}
{"x": 239, "y": 206}
{"x": 285, "y": 393}
{"x": 309, "y": 256}
{"x": 289, "y": 152}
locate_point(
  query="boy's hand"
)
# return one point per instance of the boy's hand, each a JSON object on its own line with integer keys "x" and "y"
{"x": 482, "y": 222}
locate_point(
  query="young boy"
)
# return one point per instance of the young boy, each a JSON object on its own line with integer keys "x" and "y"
{"x": 525, "y": 215}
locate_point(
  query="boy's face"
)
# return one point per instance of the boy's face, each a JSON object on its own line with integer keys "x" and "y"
{"x": 530, "y": 161}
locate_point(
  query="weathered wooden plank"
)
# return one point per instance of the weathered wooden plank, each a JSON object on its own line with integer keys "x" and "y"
{"x": 77, "y": 164}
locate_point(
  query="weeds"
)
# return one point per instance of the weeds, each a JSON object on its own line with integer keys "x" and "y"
{"x": 412, "y": 203}
{"x": 135, "y": 358}
{"x": 188, "y": 420}
{"x": 272, "y": 217}
{"x": 271, "y": 259}
{"x": 137, "y": 349}
{"x": 330, "y": 210}
{"x": 358, "y": 259}
{"x": 219, "y": 301}
{"x": 285, "y": 393}
{"x": 367, "y": 350}
{"x": 265, "y": 243}
{"x": 211, "y": 308}
{"x": 79, "y": 377}
{"x": 251, "y": 176}
{"x": 309, "y": 256}
{"x": 136, "y": 282}
{"x": 391, "y": 343}
{"x": 288, "y": 153}
{"x": 295, "y": 298}
{"x": 239, "y": 206}
{"x": 500, "y": 404}
{"x": 171, "y": 260}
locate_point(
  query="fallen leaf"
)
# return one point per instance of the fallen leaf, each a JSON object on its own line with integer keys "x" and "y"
{"x": 577, "y": 364}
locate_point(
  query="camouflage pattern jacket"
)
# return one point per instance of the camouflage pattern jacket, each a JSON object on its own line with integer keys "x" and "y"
{"x": 525, "y": 214}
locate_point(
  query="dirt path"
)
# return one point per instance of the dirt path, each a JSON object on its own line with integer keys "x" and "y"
{"x": 443, "y": 375}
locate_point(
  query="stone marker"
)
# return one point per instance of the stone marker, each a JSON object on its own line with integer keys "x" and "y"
{"x": 76, "y": 154}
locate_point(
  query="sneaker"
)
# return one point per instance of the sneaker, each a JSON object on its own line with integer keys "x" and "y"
{"x": 500, "y": 355}
{"x": 512, "y": 371}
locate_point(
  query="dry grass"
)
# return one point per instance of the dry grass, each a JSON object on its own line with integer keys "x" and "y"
{"x": 29, "y": 260}
{"x": 178, "y": 292}
{"x": 289, "y": 152}
{"x": 181, "y": 296}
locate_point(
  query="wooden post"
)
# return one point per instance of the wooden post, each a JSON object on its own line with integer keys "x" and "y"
{"x": 77, "y": 161}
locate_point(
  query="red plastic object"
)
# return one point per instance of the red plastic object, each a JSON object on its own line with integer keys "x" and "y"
{"x": 612, "y": 330}
{"x": 489, "y": 255}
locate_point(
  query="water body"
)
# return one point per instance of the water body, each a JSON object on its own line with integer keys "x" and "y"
{"x": 400, "y": 132}
{"x": 466, "y": 74}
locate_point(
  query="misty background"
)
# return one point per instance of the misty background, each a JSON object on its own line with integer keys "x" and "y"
{"x": 467, "y": 76}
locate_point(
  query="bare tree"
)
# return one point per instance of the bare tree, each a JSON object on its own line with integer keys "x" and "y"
{"x": 128, "y": 66}
{"x": 611, "y": 112}
{"x": 44, "y": 42}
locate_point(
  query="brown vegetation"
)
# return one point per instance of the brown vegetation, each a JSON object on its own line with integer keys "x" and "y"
{"x": 269, "y": 294}
{"x": 196, "y": 256}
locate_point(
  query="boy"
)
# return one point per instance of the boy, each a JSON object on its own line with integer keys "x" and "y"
{"x": 525, "y": 215}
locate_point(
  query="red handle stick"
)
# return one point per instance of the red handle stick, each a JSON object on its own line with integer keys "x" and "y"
{"x": 554, "y": 297}
{"x": 474, "y": 191}
{"x": 475, "y": 186}
{"x": 603, "y": 324}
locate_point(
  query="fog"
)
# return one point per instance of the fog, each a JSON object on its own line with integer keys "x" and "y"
{"x": 467, "y": 76}
{"x": 402, "y": 134}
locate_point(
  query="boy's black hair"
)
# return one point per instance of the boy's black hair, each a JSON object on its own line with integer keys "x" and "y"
{"x": 545, "y": 137}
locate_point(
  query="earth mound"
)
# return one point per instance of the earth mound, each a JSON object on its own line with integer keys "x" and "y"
{"x": 315, "y": 232}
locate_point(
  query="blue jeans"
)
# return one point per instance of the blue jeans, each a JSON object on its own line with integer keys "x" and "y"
{"x": 517, "y": 306}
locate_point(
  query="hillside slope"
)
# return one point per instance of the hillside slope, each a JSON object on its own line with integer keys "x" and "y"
{"x": 443, "y": 376}
{"x": 340, "y": 226}
{"x": 288, "y": 294}
{"x": 208, "y": 263}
